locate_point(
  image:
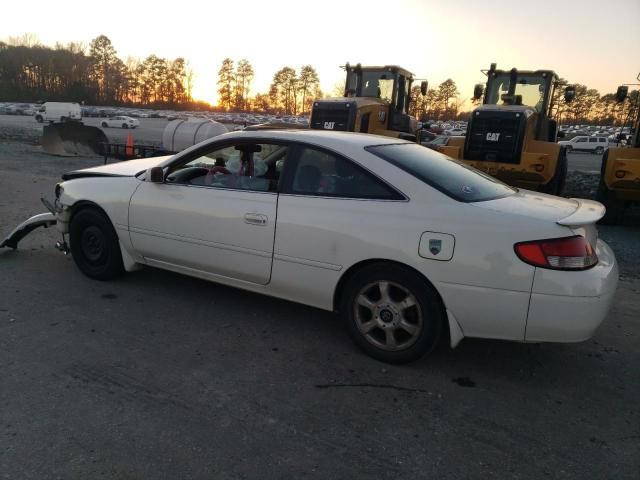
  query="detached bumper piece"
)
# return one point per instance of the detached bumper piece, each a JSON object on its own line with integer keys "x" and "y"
{"x": 26, "y": 227}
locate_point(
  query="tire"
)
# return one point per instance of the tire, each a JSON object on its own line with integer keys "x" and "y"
{"x": 94, "y": 245}
{"x": 615, "y": 207}
{"x": 104, "y": 125}
{"x": 555, "y": 186}
{"x": 569, "y": 148}
{"x": 39, "y": 119}
{"x": 125, "y": 126}
{"x": 392, "y": 313}
{"x": 599, "y": 150}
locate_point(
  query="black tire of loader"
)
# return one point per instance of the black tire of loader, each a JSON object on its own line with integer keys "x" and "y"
{"x": 555, "y": 186}
{"x": 607, "y": 197}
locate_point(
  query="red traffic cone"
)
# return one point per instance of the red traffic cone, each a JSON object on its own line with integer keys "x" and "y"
{"x": 129, "y": 148}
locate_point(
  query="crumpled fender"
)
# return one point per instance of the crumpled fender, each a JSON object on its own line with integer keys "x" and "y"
{"x": 26, "y": 227}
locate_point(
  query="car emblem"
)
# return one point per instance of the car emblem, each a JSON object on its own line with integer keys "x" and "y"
{"x": 435, "y": 246}
{"x": 466, "y": 189}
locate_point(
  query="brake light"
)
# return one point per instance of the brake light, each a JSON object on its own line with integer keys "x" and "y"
{"x": 569, "y": 253}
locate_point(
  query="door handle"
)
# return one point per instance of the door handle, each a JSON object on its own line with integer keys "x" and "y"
{"x": 255, "y": 219}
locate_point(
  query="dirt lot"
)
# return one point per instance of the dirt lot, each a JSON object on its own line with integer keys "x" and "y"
{"x": 163, "y": 376}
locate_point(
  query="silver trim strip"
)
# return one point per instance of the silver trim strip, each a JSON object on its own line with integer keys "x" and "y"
{"x": 309, "y": 263}
{"x": 197, "y": 241}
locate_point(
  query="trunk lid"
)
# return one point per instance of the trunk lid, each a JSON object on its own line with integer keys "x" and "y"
{"x": 579, "y": 215}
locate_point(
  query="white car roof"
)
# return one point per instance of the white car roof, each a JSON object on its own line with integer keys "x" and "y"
{"x": 321, "y": 137}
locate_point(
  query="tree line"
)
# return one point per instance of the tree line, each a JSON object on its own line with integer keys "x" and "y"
{"x": 290, "y": 92}
{"x": 31, "y": 72}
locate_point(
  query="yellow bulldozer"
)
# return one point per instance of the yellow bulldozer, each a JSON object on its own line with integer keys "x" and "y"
{"x": 512, "y": 135}
{"x": 376, "y": 100}
{"x": 620, "y": 172}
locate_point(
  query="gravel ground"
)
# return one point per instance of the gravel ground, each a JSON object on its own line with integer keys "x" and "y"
{"x": 163, "y": 376}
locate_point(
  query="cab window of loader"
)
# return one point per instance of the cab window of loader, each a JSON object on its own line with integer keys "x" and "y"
{"x": 531, "y": 88}
{"x": 378, "y": 85}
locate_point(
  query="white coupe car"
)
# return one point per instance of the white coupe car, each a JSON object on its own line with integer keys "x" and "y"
{"x": 120, "y": 122}
{"x": 409, "y": 246}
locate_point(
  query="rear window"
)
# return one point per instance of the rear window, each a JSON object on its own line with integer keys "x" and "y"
{"x": 451, "y": 177}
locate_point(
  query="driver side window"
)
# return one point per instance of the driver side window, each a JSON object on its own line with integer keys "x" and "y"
{"x": 246, "y": 166}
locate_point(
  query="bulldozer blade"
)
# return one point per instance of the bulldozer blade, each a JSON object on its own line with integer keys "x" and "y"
{"x": 71, "y": 139}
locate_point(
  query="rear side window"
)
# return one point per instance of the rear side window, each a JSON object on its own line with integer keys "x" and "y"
{"x": 322, "y": 173}
{"x": 451, "y": 177}
{"x": 593, "y": 140}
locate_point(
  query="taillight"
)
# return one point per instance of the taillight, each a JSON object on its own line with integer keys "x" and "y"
{"x": 569, "y": 253}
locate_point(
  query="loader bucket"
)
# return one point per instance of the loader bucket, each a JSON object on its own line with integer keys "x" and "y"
{"x": 70, "y": 139}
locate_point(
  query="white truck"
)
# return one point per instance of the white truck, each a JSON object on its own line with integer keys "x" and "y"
{"x": 58, "y": 112}
{"x": 583, "y": 143}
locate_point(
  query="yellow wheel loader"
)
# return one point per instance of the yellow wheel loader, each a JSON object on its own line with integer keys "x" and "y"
{"x": 512, "y": 135}
{"x": 620, "y": 172}
{"x": 376, "y": 100}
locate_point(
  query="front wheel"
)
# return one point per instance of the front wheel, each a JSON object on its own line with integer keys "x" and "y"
{"x": 392, "y": 313}
{"x": 599, "y": 150}
{"x": 125, "y": 126}
{"x": 39, "y": 119}
{"x": 94, "y": 245}
{"x": 614, "y": 206}
{"x": 569, "y": 149}
{"x": 104, "y": 125}
{"x": 555, "y": 186}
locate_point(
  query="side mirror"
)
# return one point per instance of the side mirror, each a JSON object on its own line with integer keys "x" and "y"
{"x": 569, "y": 93}
{"x": 478, "y": 90}
{"x": 621, "y": 93}
{"x": 423, "y": 87}
{"x": 155, "y": 175}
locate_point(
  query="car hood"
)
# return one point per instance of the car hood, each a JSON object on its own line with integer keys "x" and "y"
{"x": 127, "y": 168}
{"x": 533, "y": 204}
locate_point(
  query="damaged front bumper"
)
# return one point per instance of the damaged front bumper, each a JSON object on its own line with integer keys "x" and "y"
{"x": 58, "y": 215}
{"x": 41, "y": 220}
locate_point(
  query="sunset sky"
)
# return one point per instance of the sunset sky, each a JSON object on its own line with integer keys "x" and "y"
{"x": 590, "y": 42}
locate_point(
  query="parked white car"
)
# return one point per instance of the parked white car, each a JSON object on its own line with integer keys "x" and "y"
{"x": 585, "y": 143}
{"x": 408, "y": 245}
{"x": 459, "y": 132}
{"x": 120, "y": 122}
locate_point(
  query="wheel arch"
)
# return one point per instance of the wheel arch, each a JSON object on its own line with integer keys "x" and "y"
{"x": 348, "y": 274}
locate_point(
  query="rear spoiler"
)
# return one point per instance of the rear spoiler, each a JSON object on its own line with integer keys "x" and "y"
{"x": 588, "y": 212}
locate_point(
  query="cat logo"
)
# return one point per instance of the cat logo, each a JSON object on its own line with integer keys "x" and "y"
{"x": 493, "y": 137}
{"x": 329, "y": 125}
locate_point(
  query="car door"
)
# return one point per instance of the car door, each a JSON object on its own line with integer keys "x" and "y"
{"x": 330, "y": 211}
{"x": 215, "y": 212}
{"x": 581, "y": 143}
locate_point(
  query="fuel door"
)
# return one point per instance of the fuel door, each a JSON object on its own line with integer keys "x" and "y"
{"x": 437, "y": 246}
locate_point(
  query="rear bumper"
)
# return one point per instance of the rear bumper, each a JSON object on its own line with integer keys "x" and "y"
{"x": 569, "y": 306}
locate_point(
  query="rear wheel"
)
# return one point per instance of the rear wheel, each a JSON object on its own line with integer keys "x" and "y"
{"x": 392, "y": 313}
{"x": 606, "y": 196}
{"x": 39, "y": 119}
{"x": 104, "y": 125}
{"x": 94, "y": 245}
{"x": 599, "y": 150}
{"x": 569, "y": 149}
{"x": 124, "y": 125}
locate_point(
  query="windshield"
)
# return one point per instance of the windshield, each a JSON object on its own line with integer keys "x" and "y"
{"x": 378, "y": 85}
{"x": 453, "y": 178}
{"x": 531, "y": 88}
